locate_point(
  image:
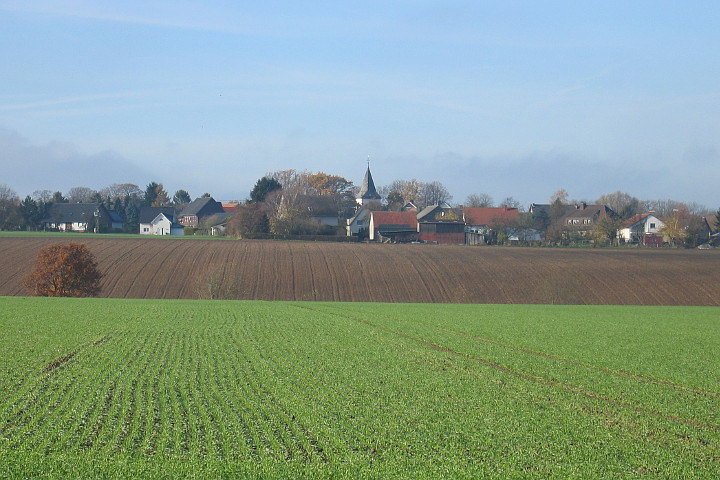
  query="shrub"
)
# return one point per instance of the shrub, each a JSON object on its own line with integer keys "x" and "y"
{"x": 64, "y": 270}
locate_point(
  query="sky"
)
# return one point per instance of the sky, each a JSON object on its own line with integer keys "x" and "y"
{"x": 509, "y": 98}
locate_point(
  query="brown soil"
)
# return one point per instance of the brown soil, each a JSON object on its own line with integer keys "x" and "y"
{"x": 274, "y": 270}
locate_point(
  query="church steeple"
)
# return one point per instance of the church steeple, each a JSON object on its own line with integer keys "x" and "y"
{"x": 367, "y": 192}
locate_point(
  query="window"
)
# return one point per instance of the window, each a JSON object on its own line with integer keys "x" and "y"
{"x": 652, "y": 225}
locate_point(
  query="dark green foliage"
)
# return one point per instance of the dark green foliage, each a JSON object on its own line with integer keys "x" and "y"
{"x": 132, "y": 217}
{"x": 30, "y": 213}
{"x": 151, "y": 194}
{"x": 58, "y": 198}
{"x": 262, "y": 187}
{"x": 181, "y": 197}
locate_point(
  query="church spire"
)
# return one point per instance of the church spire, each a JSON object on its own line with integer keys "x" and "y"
{"x": 367, "y": 190}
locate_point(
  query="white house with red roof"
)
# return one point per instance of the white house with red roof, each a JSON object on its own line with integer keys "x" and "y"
{"x": 643, "y": 226}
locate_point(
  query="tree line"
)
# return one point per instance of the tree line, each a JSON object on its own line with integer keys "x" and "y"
{"x": 286, "y": 202}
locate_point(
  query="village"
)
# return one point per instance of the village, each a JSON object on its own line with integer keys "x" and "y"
{"x": 331, "y": 213}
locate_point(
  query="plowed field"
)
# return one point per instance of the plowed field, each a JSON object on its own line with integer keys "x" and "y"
{"x": 268, "y": 270}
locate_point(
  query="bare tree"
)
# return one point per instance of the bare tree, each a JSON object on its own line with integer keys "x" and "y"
{"x": 409, "y": 190}
{"x": 668, "y": 207}
{"x": 510, "y": 202}
{"x": 479, "y": 200}
{"x": 81, "y": 195}
{"x": 624, "y": 204}
{"x": 42, "y": 196}
{"x": 560, "y": 196}
{"x": 9, "y": 208}
{"x": 433, "y": 193}
{"x": 121, "y": 191}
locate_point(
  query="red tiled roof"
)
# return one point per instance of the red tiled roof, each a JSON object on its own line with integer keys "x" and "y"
{"x": 394, "y": 218}
{"x": 635, "y": 219}
{"x": 476, "y": 216}
{"x": 230, "y": 207}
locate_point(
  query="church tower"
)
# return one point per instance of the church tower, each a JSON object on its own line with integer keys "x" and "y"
{"x": 367, "y": 192}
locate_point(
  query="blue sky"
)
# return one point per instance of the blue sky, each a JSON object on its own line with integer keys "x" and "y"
{"x": 509, "y": 98}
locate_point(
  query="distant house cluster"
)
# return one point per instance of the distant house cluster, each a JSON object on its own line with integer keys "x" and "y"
{"x": 203, "y": 212}
{"x": 439, "y": 224}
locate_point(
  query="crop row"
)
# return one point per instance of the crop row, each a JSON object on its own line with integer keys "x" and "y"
{"x": 438, "y": 390}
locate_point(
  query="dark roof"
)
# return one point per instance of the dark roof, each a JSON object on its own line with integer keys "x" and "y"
{"x": 712, "y": 221}
{"x": 74, "y": 212}
{"x": 367, "y": 190}
{"x": 547, "y": 209}
{"x": 583, "y": 210}
{"x": 319, "y": 205}
{"x": 217, "y": 219}
{"x": 115, "y": 216}
{"x": 148, "y": 214}
{"x": 202, "y": 206}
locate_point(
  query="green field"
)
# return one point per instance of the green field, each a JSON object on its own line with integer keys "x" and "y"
{"x": 146, "y": 388}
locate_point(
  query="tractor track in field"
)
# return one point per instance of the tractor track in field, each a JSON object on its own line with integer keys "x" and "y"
{"x": 539, "y": 379}
{"x": 618, "y": 373}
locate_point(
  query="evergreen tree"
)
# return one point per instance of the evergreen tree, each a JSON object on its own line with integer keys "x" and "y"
{"x": 262, "y": 187}
{"x": 30, "y": 213}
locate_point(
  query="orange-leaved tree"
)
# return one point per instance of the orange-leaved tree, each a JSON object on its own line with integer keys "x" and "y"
{"x": 64, "y": 270}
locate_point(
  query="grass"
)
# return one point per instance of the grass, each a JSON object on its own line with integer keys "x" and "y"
{"x": 146, "y": 388}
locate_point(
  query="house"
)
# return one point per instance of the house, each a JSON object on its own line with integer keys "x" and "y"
{"x": 393, "y": 226}
{"x": 116, "y": 221}
{"x": 546, "y": 213}
{"x": 711, "y": 224}
{"x": 215, "y": 224}
{"x": 159, "y": 221}
{"x": 321, "y": 208}
{"x": 193, "y": 214}
{"x": 643, "y": 228}
{"x": 582, "y": 219}
{"x": 78, "y": 217}
{"x": 165, "y": 225}
{"x": 483, "y": 223}
{"x": 441, "y": 224}
{"x": 358, "y": 222}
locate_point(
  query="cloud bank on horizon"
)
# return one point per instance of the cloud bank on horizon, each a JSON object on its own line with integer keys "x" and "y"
{"x": 513, "y": 98}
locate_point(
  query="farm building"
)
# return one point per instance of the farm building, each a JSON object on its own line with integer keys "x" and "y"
{"x": 441, "y": 224}
{"x": 194, "y": 213}
{"x": 78, "y": 217}
{"x": 483, "y": 223}
{"x": 393, "y": 226}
